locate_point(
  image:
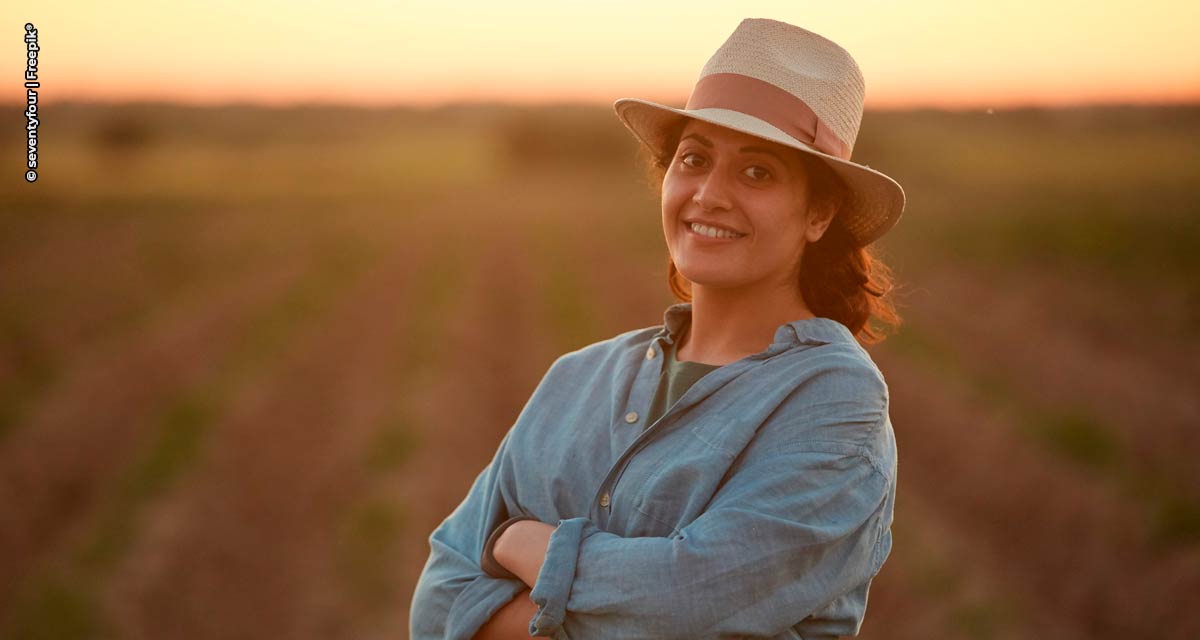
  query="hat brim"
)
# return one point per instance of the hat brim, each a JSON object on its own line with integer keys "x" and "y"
{"x": 876, "y": 200}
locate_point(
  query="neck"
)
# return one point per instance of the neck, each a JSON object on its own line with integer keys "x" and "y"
{"x": 728, "y": 326}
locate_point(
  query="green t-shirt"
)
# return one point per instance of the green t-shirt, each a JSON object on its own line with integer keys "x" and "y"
{"x": 676, "y": 378}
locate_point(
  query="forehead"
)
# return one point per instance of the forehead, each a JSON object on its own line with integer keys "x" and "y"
{"x": 723, "y": 136}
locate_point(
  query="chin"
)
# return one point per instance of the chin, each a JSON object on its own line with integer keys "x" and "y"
{"x": 710, "y": 279}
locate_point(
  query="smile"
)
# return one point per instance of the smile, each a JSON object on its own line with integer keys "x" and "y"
{"x": 711, "y": 233}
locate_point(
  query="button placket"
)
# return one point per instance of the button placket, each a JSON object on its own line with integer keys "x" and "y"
{"x": 645, "y": 382}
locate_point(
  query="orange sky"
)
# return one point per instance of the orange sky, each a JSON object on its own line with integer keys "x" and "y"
{"x": 913, "y": 53}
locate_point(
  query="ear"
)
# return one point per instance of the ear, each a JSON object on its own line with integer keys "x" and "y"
{"x": 817, "y": 219}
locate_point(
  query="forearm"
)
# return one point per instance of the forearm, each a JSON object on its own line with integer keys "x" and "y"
{"x": 774, "y": 545}
{"x": 510, "y": 622}
{"x": 522, "y": 549}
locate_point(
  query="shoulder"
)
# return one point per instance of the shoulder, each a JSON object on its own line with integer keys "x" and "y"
{"x": 838, "y": 369}
{"x": 833, "y": 395}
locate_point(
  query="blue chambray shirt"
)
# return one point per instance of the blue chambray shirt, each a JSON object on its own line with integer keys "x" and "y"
{"x": 759, "y": 505}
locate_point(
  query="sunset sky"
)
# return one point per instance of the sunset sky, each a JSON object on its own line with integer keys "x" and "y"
{"x": 914, "y": 53}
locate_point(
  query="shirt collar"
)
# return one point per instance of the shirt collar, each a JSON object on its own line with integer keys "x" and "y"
{"x": 812, "y": 331}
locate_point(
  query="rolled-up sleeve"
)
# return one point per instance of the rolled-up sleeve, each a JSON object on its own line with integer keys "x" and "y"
{"x": 453, "y": 596}
{"x": 798, "y": 525}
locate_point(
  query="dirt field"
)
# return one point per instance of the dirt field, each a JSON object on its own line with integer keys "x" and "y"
{"x": 249, "y": 358}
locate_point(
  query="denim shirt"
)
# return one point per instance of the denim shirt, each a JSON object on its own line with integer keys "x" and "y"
{"x": 759, "y": 505}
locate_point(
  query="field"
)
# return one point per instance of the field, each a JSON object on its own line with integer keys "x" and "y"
{"x": 250, "y": 358}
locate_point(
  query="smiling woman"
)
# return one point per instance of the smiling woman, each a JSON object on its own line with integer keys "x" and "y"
{"x": 732, "y": 471}
{"x": 835, "y": 276}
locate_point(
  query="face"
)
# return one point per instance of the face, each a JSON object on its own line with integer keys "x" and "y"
{"x": 737, "y": 182}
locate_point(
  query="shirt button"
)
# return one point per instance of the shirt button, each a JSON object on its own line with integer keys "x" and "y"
{"x": 631, "y": 417}
{"x": 604, "y": 500}
{"x": 650, "y": 353}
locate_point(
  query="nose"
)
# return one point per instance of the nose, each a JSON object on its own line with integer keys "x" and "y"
{"x": 713, "y": 192}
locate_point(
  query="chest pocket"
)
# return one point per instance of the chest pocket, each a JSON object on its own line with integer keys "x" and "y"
{"x": 676, "y": 476}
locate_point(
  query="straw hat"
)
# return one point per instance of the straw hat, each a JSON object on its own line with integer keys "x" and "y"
{"x": 791, "y": 86}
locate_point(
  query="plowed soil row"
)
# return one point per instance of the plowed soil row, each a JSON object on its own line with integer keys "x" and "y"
{"x": 936, "y": 585}
{"x": 88, "y": 279}
{"x": 58, "y": 464}
{"x": 1061, "y": 346}
{"x": 244, "y": 547}
{"x": 1059, "y": 536}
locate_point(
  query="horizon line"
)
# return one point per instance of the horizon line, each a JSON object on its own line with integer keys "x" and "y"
{"x": 480, "y": 103}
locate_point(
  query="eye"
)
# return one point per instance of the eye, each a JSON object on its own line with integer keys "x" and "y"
{"x": 758, "y": 173}
{"x": 691, "y": 159}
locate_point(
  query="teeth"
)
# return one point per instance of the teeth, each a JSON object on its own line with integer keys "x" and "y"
{"x": 714, "y": 233}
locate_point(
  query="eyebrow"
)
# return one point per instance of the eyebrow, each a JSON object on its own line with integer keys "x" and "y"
{"x": 747, "y": 149}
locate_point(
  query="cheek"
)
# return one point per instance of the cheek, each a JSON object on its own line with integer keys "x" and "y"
{"x": 672, "y": 195}
{"x": 784, "y": 233}
{"x": 673, "y": 203}
{"x": 789, "y": 218}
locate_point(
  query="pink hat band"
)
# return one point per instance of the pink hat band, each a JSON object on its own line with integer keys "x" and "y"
{"x": 768, "y": 103}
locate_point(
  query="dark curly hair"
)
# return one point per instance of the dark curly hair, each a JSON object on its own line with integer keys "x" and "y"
{"x": 836, "y": 278}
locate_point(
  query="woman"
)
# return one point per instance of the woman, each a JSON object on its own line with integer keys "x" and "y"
{"x": 732, "y": 472}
